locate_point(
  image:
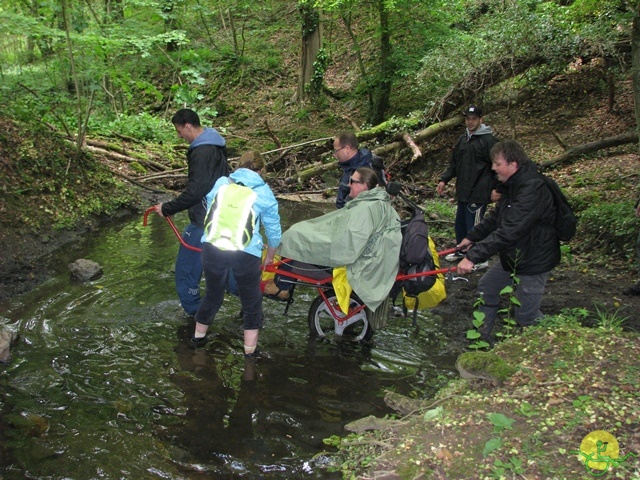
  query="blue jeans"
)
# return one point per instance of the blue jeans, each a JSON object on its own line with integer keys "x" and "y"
{"x": 467, "y": 216}
{"x": 189, "y": 270}
{"x": 218, "y": 265}
{"x": 528, "y": 292}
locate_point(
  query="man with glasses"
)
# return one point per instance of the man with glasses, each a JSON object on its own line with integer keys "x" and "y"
{"x": 350, "y": 158}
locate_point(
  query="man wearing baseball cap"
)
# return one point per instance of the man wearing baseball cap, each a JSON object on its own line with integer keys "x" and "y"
{"x": 470, "y": 164}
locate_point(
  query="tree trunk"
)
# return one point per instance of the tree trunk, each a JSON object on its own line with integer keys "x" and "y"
{"x": 346, "y": 19}
{"x": 623, "y": 139}
{"x": 382, "y": 87}
{"x": 169, "y": 23}
{"x": 74, "y": 77}
{"x": 234, "y": 33}
{"x": 635, "y": 63}
{"x": 312, "y": 171}
{"x": 311, "y": 45}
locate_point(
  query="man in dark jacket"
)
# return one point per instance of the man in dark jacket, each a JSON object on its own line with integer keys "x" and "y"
{"x": 207, "y": 161}
{"x": 521, "y": 230}
{"x": 350, "y": 158}
{"x": 470, "y": 164}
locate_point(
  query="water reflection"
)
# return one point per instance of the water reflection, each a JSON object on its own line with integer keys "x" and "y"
{"x": 103, "y": 384}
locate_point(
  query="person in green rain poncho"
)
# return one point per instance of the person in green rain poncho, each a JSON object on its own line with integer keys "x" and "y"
{"x": 364, "y": 236}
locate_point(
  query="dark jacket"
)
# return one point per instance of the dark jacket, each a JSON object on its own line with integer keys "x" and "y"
{"x": 521, "y": 227}
{"x": 361, "y": 159}
{"x": 207, "y": 161}
{"x": 470, "y": 164}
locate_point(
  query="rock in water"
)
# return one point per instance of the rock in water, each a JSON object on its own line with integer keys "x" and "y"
{"x": 85, "y": 270}
{"x": 7, "y": 339}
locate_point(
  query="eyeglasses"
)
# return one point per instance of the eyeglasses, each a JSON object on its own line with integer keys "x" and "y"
{"x": 336, "y": 150}
{"x": 351, "y": 180}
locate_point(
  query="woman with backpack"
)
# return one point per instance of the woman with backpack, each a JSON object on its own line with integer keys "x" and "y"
{"x": 232, "y": 245}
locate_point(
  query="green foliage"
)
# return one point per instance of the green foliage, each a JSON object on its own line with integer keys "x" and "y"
{"x": 500, "y": 422}
{"x": 474, "y": 334}
{"x": 142, "y": 126}
{"x": 565, "y": 253}
{"x": 514, "y": 464}
{"x": 609, "y": 320}
{"x": 509, "y": 323}
{"x": 319, "y": 69}
{"x": 609, "y": 227}
{"x": 513, "y": 30}
{"x": 527, "y": 410}
{"x": 568, "y": 317}
{"x": 440, "y": 209}
{"x": 303, "y": 114}
{"x": 491, "y": 445}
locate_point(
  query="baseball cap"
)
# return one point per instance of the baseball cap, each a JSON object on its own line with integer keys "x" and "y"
{"x": 473, "y": 110}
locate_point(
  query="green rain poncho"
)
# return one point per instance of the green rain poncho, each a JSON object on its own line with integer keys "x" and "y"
{"x": 364, "y": 236}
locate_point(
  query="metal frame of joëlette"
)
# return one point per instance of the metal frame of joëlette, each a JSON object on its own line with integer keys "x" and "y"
{"x": 325, "y": 283}
{"x": 322, "y": 284}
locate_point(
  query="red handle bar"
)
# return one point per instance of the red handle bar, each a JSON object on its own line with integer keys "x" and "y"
{"x": 196, "y": 249}
{"x": 173, "y": 227}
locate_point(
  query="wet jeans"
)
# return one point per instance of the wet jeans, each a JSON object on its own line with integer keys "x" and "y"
{"x": 218, "y": 265}
{"x": 189, "y": 270}
{"x": 528, "y": 292}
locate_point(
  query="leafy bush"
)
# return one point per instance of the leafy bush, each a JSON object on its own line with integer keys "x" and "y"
{"x": 610, "y": 228}
{"x": 142, "y": 126}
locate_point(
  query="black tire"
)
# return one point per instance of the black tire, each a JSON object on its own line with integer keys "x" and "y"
{"x": 322, "y": 323}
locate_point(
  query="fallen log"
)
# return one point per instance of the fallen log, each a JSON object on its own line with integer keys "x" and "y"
{"x": 423, "y": 135}
{"x": 316, "y": 169}
{"x": 397, "y": 124}
{"x": 141, "y": 185}
{"x": 573, "y": 152}
{"x": 173, "y": 172}
{"x": 126, "y": 158}
{"x": 385, "y": 150}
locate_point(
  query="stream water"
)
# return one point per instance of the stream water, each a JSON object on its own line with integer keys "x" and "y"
{"x": 103, "y": 385}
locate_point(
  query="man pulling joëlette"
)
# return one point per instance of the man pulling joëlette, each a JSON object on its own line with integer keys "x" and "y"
{"x": 521, "y": 229}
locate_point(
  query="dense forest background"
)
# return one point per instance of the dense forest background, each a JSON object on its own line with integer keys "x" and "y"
{"x": 88, "y": 89}
{"x": 122, "y": 67}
